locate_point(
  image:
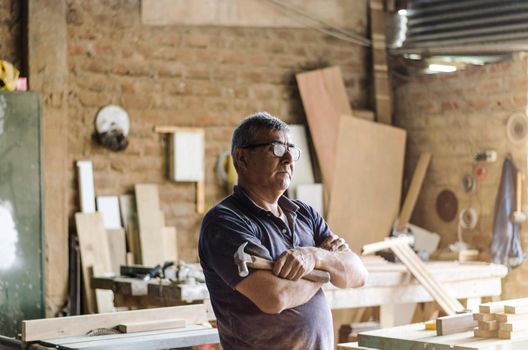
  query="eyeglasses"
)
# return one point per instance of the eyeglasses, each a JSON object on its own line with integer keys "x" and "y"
{"x": 280, "y": 149}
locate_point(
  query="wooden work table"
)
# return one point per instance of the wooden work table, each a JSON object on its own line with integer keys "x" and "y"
{"x": 389, "y": 286}
{"x": 414, "y": 336}
{"x": 394, "y": 289}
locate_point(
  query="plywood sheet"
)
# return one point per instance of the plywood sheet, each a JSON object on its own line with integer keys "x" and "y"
{"x": 325, "y": 100}
{"x": 150, "y": 225}
{"x": 368, "y": 178}
{"x": 117, "y": 246}
{"x": 303, "y": 174}
{"x": 170, "y": 244}
{"x": 95, "y": 253}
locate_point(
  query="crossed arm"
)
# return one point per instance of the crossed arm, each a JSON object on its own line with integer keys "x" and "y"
{"x": 284, "y": 288}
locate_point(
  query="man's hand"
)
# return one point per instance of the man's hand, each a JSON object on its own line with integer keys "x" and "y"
{"x": 294, "y": 264}
{"x": 335, "y": 243}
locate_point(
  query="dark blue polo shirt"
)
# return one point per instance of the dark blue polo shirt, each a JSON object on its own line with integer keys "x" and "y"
{"x": 235, "y": 220}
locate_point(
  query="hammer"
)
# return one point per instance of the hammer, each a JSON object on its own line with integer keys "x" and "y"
{"x": 243, "y": 260}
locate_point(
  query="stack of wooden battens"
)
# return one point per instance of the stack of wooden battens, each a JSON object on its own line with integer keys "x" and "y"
{"x": 506, "y": 319}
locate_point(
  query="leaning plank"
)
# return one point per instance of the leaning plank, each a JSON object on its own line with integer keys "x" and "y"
{"x": 325, "y": 100}
{"x": 49, "y": 328}
{"x": 150, "y": 225}
{"x": 132, "y": 327}
{"x": 373, "y": 154}
{"x": 455, "y": 324}
{"x": 95, "y": 251}
{"x": 414, "y": 190}
{"x": 449, "y": 304}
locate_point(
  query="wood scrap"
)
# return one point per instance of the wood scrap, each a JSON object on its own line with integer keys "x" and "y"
{"x": 455, "y": 324}
{"x": 510, "y": 319}
{"x": 491, "y": 325}
{"x": 485, "y": 334}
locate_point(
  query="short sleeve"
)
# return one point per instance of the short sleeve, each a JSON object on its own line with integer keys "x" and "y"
{"x": 223, "y": 232}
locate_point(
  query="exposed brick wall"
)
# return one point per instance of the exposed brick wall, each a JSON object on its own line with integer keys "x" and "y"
{"x": 11, "y": 32}
{"x": 453, "y": 116}
{"x": 190, "y": 76}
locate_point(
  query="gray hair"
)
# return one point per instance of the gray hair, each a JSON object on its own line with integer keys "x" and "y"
{"x": 246, "y": 132}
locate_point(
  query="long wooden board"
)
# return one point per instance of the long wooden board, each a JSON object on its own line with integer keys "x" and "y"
{"x": 325, "y": 100}
{"x": 368, "y": 174}
{"x": 131, "y": 327}
{"x": 414, "y": 190}
{"x": 49, "y": 328}
{"x": 95, "y": 252}
{"x": 150, "y": 225}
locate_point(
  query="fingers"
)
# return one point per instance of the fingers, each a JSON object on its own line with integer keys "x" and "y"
{"x": 293, "y": 264}
{"x": 335, "y": 243}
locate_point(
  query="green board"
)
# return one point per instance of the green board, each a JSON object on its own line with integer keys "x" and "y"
{"x": 21, "y": 226}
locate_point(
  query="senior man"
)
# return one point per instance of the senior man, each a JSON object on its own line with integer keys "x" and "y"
{"x": 271, "y": 309}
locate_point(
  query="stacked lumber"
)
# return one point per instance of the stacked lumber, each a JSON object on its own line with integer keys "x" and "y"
{"x": 506, "y": 319}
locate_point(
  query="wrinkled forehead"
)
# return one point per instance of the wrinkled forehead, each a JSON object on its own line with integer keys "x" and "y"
{"x": 268, "y": 135}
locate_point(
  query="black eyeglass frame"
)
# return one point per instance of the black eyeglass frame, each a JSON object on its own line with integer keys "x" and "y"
{"x": 287, "y": 147}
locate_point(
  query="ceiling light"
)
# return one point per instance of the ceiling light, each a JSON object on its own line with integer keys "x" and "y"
{"x": 441, "y": 68}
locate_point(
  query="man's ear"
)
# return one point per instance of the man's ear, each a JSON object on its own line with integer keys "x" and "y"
{"x": 240, "y": 158}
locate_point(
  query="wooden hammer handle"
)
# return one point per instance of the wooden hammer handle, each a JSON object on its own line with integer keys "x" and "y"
{"x": 318, "y": 276}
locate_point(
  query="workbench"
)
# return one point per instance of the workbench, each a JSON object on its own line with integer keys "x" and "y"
{"x": 394, "y": 289}
{"x": 414, "y": 336}
{"x": 390, "y": 286}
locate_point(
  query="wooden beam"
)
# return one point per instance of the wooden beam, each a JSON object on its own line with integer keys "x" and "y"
{"x": 414, "y": 190}
{"x": 48, "y": 73}
{"x": 41, "y": 329}
{"x": 483, "y": 317}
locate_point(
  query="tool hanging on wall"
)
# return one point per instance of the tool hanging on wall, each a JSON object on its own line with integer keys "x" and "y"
{"x": 467, "y": 220}
{"x": 518, "y": 216}
{"x": 8, "y": 76}
{"x": 517, "y": 128}
{"x": 226, "y": 172}
{"x": 112, "y": 126}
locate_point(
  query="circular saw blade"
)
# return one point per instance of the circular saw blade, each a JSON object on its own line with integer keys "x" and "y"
{"x": 112, "y": 117}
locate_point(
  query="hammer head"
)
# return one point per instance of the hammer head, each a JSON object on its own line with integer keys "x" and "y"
{"x": 241, "y": 260}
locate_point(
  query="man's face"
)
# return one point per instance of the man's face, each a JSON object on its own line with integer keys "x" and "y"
{"x": 264, "y": 169}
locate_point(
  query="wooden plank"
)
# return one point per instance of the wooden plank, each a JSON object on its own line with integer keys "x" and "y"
{"x": 86, "y": 186}
{"x": 499, "y": 306}
{"x": 108, "y": 206}
{"x": 352, "y": 346}
{"x": 455, "y": 324}
{"x": 117, "y": 248}
{"x": 367, "y": 153}
{"x": 303, "y": 167}
{"x": 414, "y": 190}
{"x": 150, "y": 226}
{"x": 419, "y": 271}
{"x": 95, "y": 252}
{"x": 517, "y": 306}
{"x": 41, "y": 329}
{"x": 483, "y": 317}
{"x": 47, "y": 65}
{"x": 488, "y": 325}
{"x": 325, "y": 100}
{"x": 200, "y": 197}
{"x": 132, "y": 327}
{"x": 382, "y": 88}
{"x": 170, "y": 244}
{"x": 513, "y": 335}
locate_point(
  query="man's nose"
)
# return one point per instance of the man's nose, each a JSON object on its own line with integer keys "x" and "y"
{"x": 287, "y": 156}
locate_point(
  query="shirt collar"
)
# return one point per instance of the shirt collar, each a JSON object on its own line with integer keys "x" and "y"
{"x": 285, "y": 203}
